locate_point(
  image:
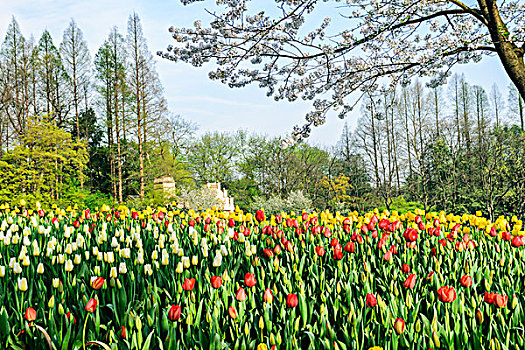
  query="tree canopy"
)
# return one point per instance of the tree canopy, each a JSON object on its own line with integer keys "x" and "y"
{"x": 293, "y": 54}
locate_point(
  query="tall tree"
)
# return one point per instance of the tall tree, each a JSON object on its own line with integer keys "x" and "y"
{"x": 516, "y": 106}
{"x": 52, "y": 80}
{"x": 14, "y": 56}
{"x": 105, "y": 102}
{"x": 148, "y": 103}
{"x": 496, "y": 100}
{"x": 118, "y": 67}
{"x": 137, "y": 49}
{"x": 77, "y": 64}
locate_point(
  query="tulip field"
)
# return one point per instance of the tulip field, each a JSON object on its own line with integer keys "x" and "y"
{"x": 119, "y": 278}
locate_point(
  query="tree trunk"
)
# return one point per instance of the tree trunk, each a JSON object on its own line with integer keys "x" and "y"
{"x": 511, "y": 56}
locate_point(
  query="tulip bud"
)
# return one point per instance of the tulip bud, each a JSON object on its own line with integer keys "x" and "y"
{"x": 60, "y": 310}
{"x": 479, "y": 316}
{"x": 272, "y": 339}
{"x": 246, "y": 326}
{"x": 150, "y": 321}
{"x": 399, "y": 325}
{"x": 51, "y": 302}
{"x": 435, "y": 339}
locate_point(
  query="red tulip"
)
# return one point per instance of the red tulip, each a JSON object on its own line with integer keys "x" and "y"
{"x": 319, "y": 251}
{"x": 249, "y": 280}
{"x": 350, "y": 247}
{"x": 123, "y": 333}
{"x": 189, "y": 284}
{"x": 30, "y": 314}
{"x": 410, "y": 282}
{"x": 174, "y": 313}
{"x": 393, "y": 249}
{"x": 371, "y": 300}
{"x": 381, "y": 243}
{"x": 383, "y": 224}
{"x": 91, "y": 305}
{"x": 405, "y": 268}
{"x": 466, "y": 281}
{"x": 216, "y": 281}
{"x": 231, "y": 223}
{"x": 268, "y": 253}
{"x": 259, "y": 215}
{"x": 334, "y": 242}
{"x": 241, "y": 294}
{"x": 446, "y": 294}
{"x": 98, "y": 283}
{"x": 292, "y": 300}
{"x": 268, "y": 296}
{"x": 399, "y": 325}
{"x": 338, "y": 252}
{"x": 517, "y": 241}
{"x": 489, "y": 297}
{"x": 410, "y": 235}
{"x": 232, "y": 312}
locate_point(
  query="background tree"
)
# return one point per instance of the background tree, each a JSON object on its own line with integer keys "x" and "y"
{"x": 52, "y": 80}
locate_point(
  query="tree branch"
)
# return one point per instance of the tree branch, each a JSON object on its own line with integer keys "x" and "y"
{"x": 475, "y": 12}
{"x": 469, "y": 49}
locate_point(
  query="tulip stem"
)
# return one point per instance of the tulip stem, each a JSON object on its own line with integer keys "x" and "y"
{"x": 22, "y": 304}
{"x": 84, "y": 332}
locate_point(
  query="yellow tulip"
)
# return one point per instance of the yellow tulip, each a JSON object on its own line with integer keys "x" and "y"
{"x": 22, "y": 284}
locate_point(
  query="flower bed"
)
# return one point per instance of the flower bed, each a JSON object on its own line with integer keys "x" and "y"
{"x": 123, "y": 279}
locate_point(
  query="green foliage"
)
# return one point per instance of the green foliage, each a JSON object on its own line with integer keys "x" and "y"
{"x": 402, "y": 206}
{"x": 45, "y": 168}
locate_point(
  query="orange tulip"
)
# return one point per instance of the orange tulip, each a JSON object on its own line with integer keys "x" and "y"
{"x": 268, "y": 295}
{"x": 216, "y": 281}
{"x": 241, "y": 294}
{"x": 232, "y": 312}
{"x": 447, "y": 294}
{"x": 91, "y": 305}
{"x": 410, "y": 282}
{"x": 399, "y": 325}
{"x": 30, "y": 314}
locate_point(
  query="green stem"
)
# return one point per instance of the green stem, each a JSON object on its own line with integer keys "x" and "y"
{"x": 84, "y": 332}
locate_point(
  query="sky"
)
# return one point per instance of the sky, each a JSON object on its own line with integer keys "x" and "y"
{"x": 209, "y": 104}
